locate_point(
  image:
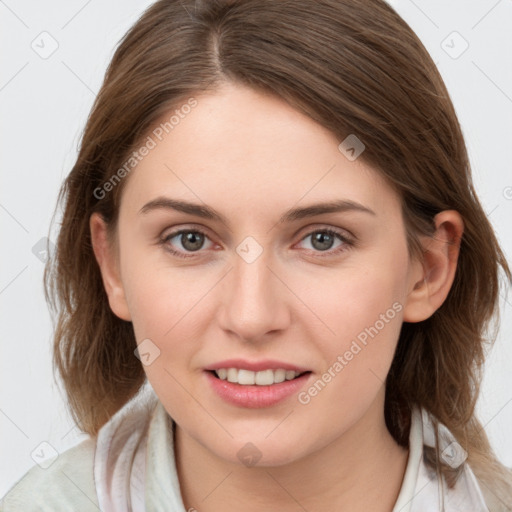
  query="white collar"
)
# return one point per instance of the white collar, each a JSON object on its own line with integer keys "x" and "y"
{"x": 422, "y": 490}
{"x": 135, "y": 468}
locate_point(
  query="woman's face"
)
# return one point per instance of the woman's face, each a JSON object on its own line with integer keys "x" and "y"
{"x": 259, "y": 279}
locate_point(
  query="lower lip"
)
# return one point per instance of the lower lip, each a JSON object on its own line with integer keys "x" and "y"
{"x": 255, "y": 397}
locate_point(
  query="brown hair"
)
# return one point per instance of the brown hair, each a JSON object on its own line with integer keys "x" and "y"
{"x": 355, "y": 67}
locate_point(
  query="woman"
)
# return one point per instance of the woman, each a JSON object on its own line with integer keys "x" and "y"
{"x": 271, "y": 222}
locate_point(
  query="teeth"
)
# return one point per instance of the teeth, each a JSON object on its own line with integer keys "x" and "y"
{"x": 280, "y": 376}
{"x": 245, "y": 377}
{"x": 262, "y": 378}
{"x": 232, "y": 375}
{"x": 289, "y": 375}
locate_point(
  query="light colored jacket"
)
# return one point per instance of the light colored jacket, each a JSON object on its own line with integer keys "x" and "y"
{"x": 130, "y": 466}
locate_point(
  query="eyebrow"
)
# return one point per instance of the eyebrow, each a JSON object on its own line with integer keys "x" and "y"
{"x": 205, "y": 212}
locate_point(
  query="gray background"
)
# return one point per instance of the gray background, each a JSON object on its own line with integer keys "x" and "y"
{"x": 44, "y": 102}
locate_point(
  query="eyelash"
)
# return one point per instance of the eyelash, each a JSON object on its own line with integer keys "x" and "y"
{"x": 347, "y": 243}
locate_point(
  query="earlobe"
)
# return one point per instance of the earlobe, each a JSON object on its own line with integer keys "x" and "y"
{"x": 105, "y": 256}
{"x": 431, "y": 279}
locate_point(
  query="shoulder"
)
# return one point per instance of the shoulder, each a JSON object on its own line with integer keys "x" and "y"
{"x": 67, "y": 484}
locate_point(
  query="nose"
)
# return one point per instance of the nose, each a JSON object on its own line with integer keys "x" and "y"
{"x": 254, "y": 300}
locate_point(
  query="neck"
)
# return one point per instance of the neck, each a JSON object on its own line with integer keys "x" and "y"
{"x": 360, "y": 470}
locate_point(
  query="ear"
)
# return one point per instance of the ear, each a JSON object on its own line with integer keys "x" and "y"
{"x": 432, "y": 278}
{"x": 105, "y": 254}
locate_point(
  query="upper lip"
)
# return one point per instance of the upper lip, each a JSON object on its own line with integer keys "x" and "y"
{"x": 255, "y": 366}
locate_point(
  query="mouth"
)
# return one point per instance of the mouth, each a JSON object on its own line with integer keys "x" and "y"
{"x": 256, "y": 384}
{"x": 266, "y": 377}
{"x": 251, "y": 389}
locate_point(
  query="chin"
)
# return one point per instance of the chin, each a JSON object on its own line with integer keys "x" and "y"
{"x": 256, "y": 451}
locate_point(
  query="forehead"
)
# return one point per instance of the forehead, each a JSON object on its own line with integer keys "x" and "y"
{"x": 245, "y": 151}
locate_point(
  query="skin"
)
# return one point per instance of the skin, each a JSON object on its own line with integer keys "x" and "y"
{"x": 294, "y": 303}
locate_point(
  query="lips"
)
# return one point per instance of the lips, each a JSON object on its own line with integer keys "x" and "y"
{"x": 256, "y": 396}
{"x": 256, "y": 384}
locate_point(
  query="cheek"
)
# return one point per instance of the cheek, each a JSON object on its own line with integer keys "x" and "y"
{"x": 364, "y": 320}
{"x": 157, "y": 294}
{"x": 356, "y": 359}
{"x": 167, "y": 307}
{"x": 164, "y": 308}
{"x": 163, "y": 303}
{"x": 361, "y": 312}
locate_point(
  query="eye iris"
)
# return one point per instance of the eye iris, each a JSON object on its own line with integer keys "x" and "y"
{"x": 192, "y": 241}
{"x": 322, "y": 240}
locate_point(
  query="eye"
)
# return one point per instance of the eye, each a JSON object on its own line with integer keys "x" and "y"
{"x": 191, "y": 240}
{"x": 322, "y": 240}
